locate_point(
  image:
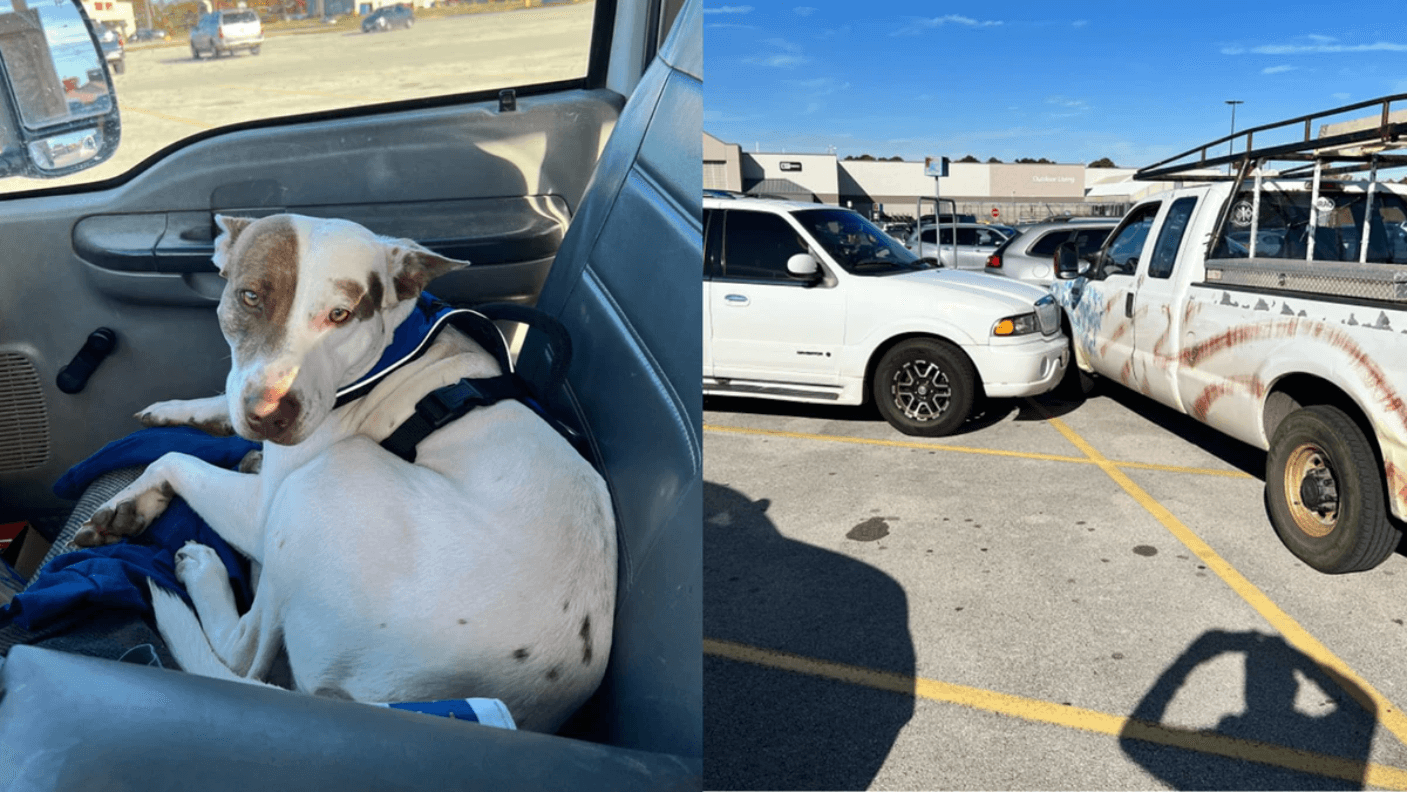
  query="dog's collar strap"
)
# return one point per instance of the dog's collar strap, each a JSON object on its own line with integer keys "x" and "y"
{"x": 443, "y": 405}
{"x": 414, "y": 335}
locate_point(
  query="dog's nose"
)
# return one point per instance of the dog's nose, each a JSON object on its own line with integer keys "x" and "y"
{"x": 276, "y": 423}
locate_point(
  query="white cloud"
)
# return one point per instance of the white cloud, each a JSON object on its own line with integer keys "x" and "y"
{"x": 1342, "y": 97}
{"x": 1066, "y": 101}
{"x": 1321, "y": 46}
{"x": 918, "y": 26}
{"x": 729, "y": 10}
{"x": 804, "y": 10}
{"x": 1080, "y": 23}
{"x": 1277, "y": 69}
{"x": 784, "y": 44}
{"x": 729, "y": 26}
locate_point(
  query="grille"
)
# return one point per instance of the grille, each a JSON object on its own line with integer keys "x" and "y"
{"x": 1048, "y": 315}
{"x": 24, "y": 424}
{"x": 1386, "y": 282}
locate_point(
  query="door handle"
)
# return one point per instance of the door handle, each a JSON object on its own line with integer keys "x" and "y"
{"x": 735, "y": 299}
{"x": 1129, "y": 305}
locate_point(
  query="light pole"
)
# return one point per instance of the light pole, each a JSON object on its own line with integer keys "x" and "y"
{"x": 1234, "y": 103}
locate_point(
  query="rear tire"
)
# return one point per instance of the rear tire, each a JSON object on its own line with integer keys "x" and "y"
{"x": 924, "y": 387}
{"x": 1325, "y": 492}
{"x": 195, "y": 53}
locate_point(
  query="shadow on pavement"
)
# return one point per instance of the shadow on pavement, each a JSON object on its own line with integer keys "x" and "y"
{"x": 771, "y": 729}
{"x": 1274, "y": 674}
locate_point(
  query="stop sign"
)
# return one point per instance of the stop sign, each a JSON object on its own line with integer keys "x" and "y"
{"x": 994, "y": 211}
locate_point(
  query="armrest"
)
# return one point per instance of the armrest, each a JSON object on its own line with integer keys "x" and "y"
{"x": 74, "y": 722}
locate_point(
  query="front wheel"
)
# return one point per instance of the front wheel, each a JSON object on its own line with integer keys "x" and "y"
{"x": 254, "y": 50}
{"x": 924, "y": 387}
{"x": 1325, "y": 492}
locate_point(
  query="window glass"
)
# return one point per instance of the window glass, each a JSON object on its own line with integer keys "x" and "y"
{"x": 1089, "y": 240}
{"x": 927, "y": 236}
{"x": 968, "y": 237}
{"x": 1121, "y": 255}
{"x": 757, "y": 246}
{"x": 855, "y": 243}
{"x": 713, "y": 241}
{"x": 307, "y": 62}
{"x": 1170, "y": 237}
{"x": 1046, "y": 246}
{"x": 987, "y": 237}
{"x": 1284, "y": 230}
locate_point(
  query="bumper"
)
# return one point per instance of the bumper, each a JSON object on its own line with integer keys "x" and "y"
{"x": 1028, "y": 368}
{"x": 235, "y": 42}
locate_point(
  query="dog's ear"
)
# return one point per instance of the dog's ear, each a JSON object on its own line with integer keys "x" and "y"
{"x": 412, "y": 267}
{"x": 230, "y": 230}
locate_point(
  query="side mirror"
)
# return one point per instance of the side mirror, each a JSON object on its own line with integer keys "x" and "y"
{"x": 58, "y": 110}
{"x": 804, "y": 267}
{"x": 1067, "y": 261}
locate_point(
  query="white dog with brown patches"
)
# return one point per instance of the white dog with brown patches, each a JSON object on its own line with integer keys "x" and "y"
{"x": 485, "y": 569}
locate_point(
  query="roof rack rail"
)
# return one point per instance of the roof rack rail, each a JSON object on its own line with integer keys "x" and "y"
{"x": 1363, "y": 146}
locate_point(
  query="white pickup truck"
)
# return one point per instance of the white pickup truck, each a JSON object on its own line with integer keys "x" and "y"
{"x": 1270, "y": 305}
{"x": 813, "y": 303}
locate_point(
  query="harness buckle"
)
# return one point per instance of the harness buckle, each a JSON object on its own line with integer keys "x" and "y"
{"x": 443, "y": 405}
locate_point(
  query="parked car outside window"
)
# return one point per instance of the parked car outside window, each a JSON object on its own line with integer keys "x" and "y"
{"x": 388, "y": 18}
{"x": 226, "y": 32}
{"x": 1028, "y": 256}
{"x": 814, "y": 303}
{"x": 974, "y": 242}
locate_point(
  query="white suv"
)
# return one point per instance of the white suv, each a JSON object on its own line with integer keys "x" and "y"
{"x": 224, "y": 32}
{"x": 809, "y": 302}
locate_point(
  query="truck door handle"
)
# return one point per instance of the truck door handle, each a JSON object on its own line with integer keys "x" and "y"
{"x": 736, "y": 299}
{"x": 1129, "y": 305}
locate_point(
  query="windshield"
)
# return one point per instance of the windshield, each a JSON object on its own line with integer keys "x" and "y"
{"x": 856, "y": 244}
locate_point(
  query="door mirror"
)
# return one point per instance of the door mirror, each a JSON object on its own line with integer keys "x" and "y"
{"x": 58, "y": 111}
{"x": 803, "y": 266}
{"x": 1067, "y": 261}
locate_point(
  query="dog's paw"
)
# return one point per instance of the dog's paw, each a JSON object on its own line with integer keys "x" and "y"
{"x": 198, "y": 565}
{"x": 127, "y": 514}
{"x": 207, "y": 415}
{"x": 252, "y": 463}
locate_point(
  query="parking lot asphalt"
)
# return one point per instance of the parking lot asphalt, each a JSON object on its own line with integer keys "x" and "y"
{"x": 1066, "y": 595}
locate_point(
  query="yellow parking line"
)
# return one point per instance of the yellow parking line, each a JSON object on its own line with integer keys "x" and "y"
{"x": 178, "y": 119}
{"x": 1069, "y": 717}
{"x": 970, "y": 450}
{"x": 1385, "y": 711}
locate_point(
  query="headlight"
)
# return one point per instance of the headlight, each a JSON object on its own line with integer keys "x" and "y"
{"x": 1016, "y": 325}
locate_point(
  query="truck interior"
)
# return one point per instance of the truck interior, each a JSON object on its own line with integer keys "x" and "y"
{"x": 579, "y": 197}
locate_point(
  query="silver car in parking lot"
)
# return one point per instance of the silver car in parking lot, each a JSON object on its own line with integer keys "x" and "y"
{"x": 975, "y": 242}
{"x": 1027, "y": 256}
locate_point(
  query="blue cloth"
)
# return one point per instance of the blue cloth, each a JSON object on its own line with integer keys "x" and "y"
{"x": 115, "y": 576}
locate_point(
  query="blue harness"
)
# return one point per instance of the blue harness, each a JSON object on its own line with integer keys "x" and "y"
{"x": 443, "y": 405}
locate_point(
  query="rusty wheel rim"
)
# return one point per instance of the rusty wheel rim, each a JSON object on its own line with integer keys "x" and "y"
{"x": 1305, "y": 460}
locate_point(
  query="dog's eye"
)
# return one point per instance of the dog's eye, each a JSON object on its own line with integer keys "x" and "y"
{"x": 249, "y": 297}
{"x": 339, "y": 315}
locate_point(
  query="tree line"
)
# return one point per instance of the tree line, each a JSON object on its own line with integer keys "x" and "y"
{"x": 1103, "y": 162}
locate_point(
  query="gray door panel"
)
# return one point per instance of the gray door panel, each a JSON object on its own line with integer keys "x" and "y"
{"x": 495, "y": 188}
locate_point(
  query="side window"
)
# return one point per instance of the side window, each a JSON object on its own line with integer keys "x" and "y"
{"x": 713, "y": 241}
{"x": 945, "y": 236}
{"x": 311, "y": 63}
{"x": 968, "y": 237}
{"x": 1089, "y": 240}
{"x": 989, "y": 238}
{"x": 1121, "y": 255}
{"x": 758, "y": 245}
{"x": 1046, "y": 246}
{"x": 1170, "y": 237}
{"x": 927, "y": 236}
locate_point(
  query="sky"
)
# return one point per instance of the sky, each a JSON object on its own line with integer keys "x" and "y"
{"x": 1071, "y": 82}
